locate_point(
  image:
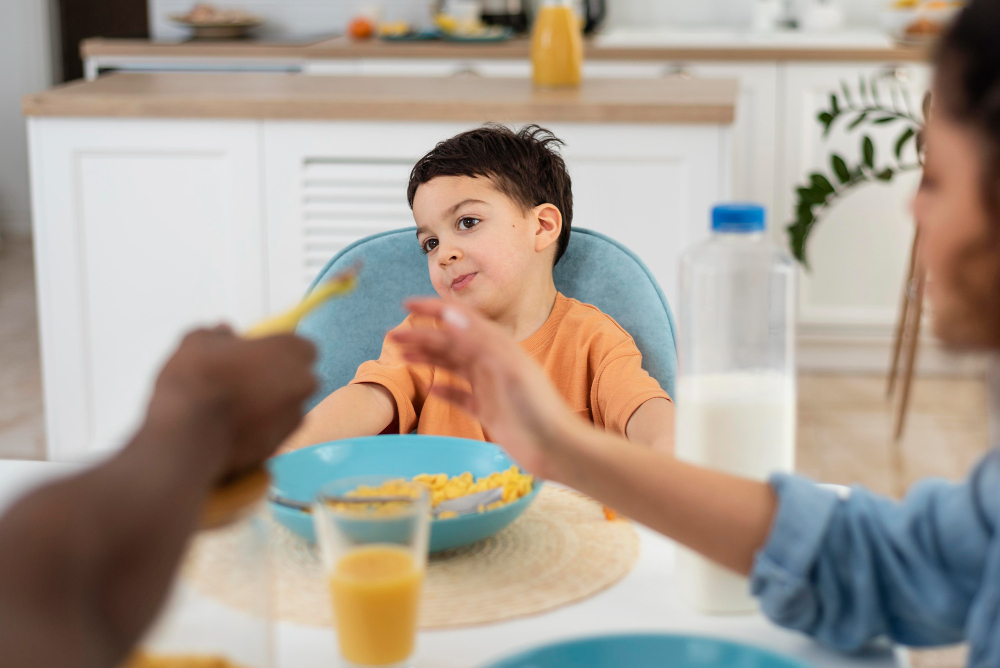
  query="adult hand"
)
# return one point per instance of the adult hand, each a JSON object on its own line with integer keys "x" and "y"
{"x": 244, "y": 395}
{"x": 511, "y": 395}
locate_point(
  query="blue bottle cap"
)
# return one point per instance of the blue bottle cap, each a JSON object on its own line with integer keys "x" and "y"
{"x": 738, "y": 218}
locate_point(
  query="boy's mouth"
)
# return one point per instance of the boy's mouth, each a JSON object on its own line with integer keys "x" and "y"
{"x": 462, "y": 281}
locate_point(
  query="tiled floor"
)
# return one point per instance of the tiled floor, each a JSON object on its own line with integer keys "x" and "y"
{"x": 844, "y": 421}
{"x": 21, "y": 429}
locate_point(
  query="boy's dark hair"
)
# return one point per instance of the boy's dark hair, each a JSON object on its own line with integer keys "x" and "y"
{"x": 523, "y": 165}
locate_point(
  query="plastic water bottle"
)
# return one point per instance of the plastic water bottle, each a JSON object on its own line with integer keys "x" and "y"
{"x": 736, "y": 386}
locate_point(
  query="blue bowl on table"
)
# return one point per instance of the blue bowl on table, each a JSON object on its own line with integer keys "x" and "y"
{"x": 299, "y": 474}
{"x": 647, "y": 650}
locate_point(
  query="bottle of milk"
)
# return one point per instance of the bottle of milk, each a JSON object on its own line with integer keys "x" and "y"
{"x": 736, "y": 384}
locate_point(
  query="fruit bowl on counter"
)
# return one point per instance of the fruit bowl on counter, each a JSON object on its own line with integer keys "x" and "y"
{"x": 211, "y": 22}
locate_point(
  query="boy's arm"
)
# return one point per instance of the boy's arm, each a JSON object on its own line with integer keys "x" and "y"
{"x": 358, "y": 409}
{"x": 652, "y": 424}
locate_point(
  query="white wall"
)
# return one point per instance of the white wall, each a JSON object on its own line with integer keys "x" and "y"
{"x": 27, "y": 67}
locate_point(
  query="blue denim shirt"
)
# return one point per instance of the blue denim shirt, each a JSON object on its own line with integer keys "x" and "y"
{"x": 924, "y": 571}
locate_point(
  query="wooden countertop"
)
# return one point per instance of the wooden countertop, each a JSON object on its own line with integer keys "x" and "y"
{"x": 299, "y": 96}
{"x": 516, "y": 49}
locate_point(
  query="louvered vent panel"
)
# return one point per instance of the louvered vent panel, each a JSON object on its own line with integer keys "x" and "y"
{"x": 346, "y": 200}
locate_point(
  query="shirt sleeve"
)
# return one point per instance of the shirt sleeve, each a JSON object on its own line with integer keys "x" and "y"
{"x": 620, "y": 386}
{"x": 849, "y": 570}
{"x": 409, "y": 384}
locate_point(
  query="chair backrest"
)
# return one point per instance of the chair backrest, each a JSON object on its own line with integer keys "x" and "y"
{"x": 595, "y": 269}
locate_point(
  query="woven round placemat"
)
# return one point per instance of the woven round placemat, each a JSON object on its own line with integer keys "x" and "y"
{"x": 561, "y": 550}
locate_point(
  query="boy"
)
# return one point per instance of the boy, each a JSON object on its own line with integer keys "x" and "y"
{"x": 493, "y": 209}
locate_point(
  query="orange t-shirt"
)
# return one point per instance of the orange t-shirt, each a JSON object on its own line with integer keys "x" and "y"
{"x": 592, "y": 361}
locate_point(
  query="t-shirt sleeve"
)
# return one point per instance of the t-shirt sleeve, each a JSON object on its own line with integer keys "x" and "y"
{"x": 620, "y": 386}
{"x": 409, "y": 384}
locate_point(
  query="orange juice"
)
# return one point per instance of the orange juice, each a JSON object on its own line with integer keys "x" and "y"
{"x": 376, "y": 593}
{"x": 556, "y": 46}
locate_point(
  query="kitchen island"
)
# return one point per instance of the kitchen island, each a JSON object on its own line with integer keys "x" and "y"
{"x": 167, "y": 200}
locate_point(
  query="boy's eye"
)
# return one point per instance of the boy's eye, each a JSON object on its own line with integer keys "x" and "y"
{"x": 467, "y": 223}
{"x": 429, "y": 245}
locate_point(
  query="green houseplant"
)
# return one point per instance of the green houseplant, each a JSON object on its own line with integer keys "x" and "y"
{"x": 875, "y": 102}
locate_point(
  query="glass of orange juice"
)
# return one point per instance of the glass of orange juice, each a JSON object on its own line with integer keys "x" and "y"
{"x": 374, "y": 547}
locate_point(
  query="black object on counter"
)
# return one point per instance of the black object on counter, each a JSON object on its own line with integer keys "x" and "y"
{"x": 509, "y": 13}
{"x": 594, "y": 11}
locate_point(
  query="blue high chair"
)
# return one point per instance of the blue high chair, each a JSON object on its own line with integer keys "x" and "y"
{"x": 595, "y": 269}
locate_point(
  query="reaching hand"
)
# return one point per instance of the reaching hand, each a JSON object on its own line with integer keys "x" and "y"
{"x": 511, "y": 396}
{"x": 245, "y": 394}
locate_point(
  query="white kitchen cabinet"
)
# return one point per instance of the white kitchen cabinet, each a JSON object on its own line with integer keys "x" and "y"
{"x": 755, "y": 129}
{"x": 859, "y": 250}
{"x": 329, "y": 184}
{"x": 142, "y": 230}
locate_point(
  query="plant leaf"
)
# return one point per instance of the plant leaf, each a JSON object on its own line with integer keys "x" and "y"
{"x": 868, "y": 151}
{"x": 874, "y": 91}
{"x": 826, "y": 119}
{"x": 840, "y": 168}
{"x": 884, "y": 120}
{"x": 847, "y": 94}
{"x": 858, "y": 121}
{"x": 834, "y": 106}
{"x": 821, "y": 184}
{"x": 863, "y": 88}
{"x": 798, "y": 235}
{"x": 810, "y": 196}
{"x": 885, "y": 174}
{"x": 901, "y": 142}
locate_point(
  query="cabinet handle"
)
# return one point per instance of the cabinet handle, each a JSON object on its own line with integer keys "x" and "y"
{"x": 900, "y": 74}
{"x": 678, "y": 71}
{"x": 466, "y": 71}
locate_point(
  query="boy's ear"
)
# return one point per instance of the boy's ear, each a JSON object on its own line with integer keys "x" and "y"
{"x": 548, "y": 226}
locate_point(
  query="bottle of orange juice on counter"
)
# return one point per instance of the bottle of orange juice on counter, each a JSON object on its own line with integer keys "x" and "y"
{"x": 556, "y": 46}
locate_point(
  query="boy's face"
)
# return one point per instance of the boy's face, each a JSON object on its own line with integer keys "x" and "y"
{"x": 482, "y": 249}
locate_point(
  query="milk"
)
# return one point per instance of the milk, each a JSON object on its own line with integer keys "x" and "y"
{"x": 741, "y": 423}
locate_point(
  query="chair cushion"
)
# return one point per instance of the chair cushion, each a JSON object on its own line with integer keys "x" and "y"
{"x": 595, "y": 269}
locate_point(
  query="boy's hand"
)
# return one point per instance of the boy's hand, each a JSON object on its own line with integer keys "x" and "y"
{"x": 239, "y": 397}
{"x": 511, "y": 396}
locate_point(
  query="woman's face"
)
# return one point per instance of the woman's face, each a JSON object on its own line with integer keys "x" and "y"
{"x": 959, "y": 239}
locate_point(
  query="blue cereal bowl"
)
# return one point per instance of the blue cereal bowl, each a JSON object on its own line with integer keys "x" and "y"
{"x": 298, "y": 475}
{"x": 647, "y": 650}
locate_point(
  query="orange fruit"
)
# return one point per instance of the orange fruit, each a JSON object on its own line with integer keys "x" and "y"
{"x": 361, "y": 27}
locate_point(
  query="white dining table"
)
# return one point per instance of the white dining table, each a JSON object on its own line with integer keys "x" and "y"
{"x": 645, "y": 600}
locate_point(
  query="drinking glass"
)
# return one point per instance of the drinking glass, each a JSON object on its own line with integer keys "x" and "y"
{"x": 374, "y": 550}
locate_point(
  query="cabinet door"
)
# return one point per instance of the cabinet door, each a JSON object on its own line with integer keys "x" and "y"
{"x": 329, "y": 184}
{"x": 755, "y": 127}
{"x": 142, "y": 230}
{"x": 858, "y": 253}
{"x": 754, "y": 133}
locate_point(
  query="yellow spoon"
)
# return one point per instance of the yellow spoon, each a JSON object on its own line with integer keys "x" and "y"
{"x": 284, "y": 323}
{"x": 228, "y": 500}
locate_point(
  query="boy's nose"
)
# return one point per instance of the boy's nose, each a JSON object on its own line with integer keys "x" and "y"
{"x": 449, "y": 254}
